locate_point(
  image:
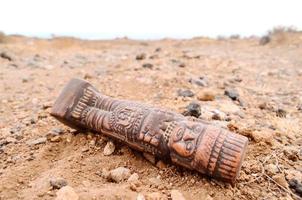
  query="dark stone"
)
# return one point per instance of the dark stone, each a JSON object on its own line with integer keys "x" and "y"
{"x": 281, "y": 113}
{"x": 232, "y": 93}
{"x": 6, "y": 56}
{"x": 296, "y": 185}
{"x": 265, "y": 40}
{"x": 148, "y": 65}
{"x": 193, "y": 109}
{"x": 141, "y": 56}
{"x": 185, "y": 93}
{"x": 182, "y": 65}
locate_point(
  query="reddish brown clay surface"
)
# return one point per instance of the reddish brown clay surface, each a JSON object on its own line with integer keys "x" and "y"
{"x": 191, "y": 143}
{"x": 251, "y": 89}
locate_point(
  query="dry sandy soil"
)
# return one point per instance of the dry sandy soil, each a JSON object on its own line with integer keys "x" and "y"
{"x": 35, "y": 148}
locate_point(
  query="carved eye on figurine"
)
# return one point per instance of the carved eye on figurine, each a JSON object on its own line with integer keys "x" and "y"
{"x": 179, "y": 134}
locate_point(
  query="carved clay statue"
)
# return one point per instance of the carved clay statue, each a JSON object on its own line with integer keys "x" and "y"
{"x": 194, "y": 144}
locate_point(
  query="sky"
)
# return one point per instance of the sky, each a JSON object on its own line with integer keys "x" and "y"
{"x": 142, "y": 19}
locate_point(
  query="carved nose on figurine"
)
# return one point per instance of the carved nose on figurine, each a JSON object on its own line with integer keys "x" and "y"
{"x": 188, "y": 136}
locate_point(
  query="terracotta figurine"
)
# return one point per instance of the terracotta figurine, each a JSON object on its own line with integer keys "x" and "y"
{"x": 194, "y": 144}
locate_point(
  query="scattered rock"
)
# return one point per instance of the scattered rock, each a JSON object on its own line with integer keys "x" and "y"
{"x": 67, "y": 193}
{"x": 141, "y": 56}
{"x": 185, "y": 93}
{"x": 149, "y": 157}
{"x": 299, "y": 107}
{"x": 133, "y": 178}
{"x": 280, "y": 179}
{"x": 201, "y": 81}
{"x": 158, "y": 49}
{"x": 232, "y": 93}
{"x": 55, "y": 132}
{"x": 296, "y": 185}
{"x": 88, "y": 76}
{"x": 55, "y": 139}
{"x": 25, "y": 80}
{"x": 281, "y": 113}
{"x": 271, "y": 169}
{"x": 266, "y": 106}
{"x": 264, "y": 40}
{"x": 140, "y": 197}
{"x": 147, "y": 65}
{"x": 182, "y": 65}
{"x": 119, "y": 174}
{"x": 7, "y": 56}
{"x": 218, "y": 115}
{"x": 40, "y": 140}
{"x": 179, "y": 63}
{"x": 292, "y": 153}
{"x": 58, "y": 183}
{"x": 193, "y": 109}
{"x": 109, "y": 148}
{"x": 161, "y": 165}
{"x": 177, "y": 195}
{"x": 104, "y": 173}
{"x": 265, "y": 136}
{"x": 153, "y": 56}
{"x": 206, "y": 96}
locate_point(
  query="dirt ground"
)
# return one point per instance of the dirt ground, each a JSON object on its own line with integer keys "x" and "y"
{"x": 35, "y": 148}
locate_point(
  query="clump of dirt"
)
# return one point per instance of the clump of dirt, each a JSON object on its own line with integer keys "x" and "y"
{"x": 43, "y": 159}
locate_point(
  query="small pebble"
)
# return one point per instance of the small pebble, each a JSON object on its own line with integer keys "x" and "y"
{"x": 57, "y": 183}
{"x": 193, "y": 109}
{"x": 133, "y": 178}
{"x": 119, "y": 174}
{"x": 67, "y": 193}
{"x": 109, "y": 148}
{"x": 7, "y": 56}
{"x": 185, "y": 93}
{"x": 206, "y": 96}
{"x": 264, "y": 40}
{"x": 141, "y": 56}
{"x": 281, "y": 113}
{"x": 201, "y": 81}
{"x": 296, "y": 185}
{"x": 148, "y": 65}
{"x": 41, "y": 140}
{"x": 55, "y": 139}
{"x": 232, "y": 93}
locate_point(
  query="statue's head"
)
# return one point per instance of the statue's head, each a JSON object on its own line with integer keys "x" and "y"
{"x": 183, "y": 138}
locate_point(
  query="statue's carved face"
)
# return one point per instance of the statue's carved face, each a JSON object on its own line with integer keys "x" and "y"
{"x": 183, "y": 140}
